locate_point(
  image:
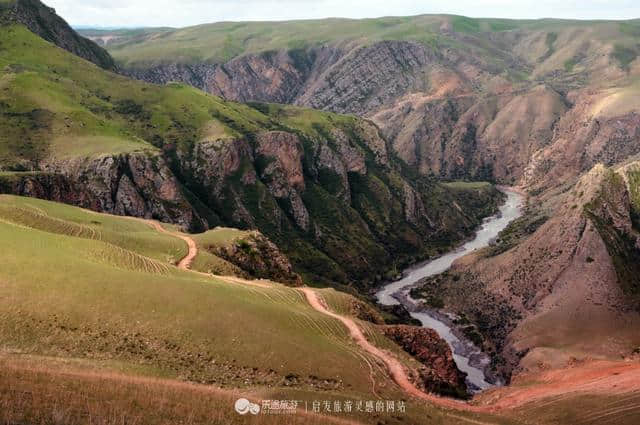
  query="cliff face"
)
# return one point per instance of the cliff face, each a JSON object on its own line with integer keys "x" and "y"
{"x": 482, "y": 105}
{"x": 440, "y": 374}
{"x": 603, "y": 126}
{"x": 44, "y": 21}
{"x": 333, "y": 200}
{"x": 138, "y": 185}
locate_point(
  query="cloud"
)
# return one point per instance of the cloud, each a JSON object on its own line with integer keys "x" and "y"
{"x": 192, "y": 12}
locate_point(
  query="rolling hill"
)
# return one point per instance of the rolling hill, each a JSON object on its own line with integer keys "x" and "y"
{"x": 456, "y": 97}
{"x": 160, "y": 326}
{"x": 324, "y": 187}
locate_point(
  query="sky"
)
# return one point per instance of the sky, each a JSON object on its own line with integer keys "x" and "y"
{"x": 180, "y": 13}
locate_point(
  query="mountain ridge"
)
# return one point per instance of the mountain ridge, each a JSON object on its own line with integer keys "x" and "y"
{"x": 448, "y": 92}
{"x": 44, "y": 21}
{"x": 324, "y": 187}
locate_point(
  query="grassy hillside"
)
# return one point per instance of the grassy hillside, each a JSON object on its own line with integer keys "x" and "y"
{"x": 110, "y": 301}
{"x": 61, "y": 114}
{"x": 221, "y": 42}
{"x": 56, "y": 104}
{"x": 93, "y": 300}
{"x": 42, "y": 20}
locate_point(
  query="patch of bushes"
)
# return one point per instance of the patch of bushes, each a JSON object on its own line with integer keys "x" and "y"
{"x": 624, "y": 55}
{"x": 517, "y": 231}
{"x": 472, "y": 334}
{"x": 434, "y": 301}
{"x": 570, "y": 64}
{"x": 129, "y": 107}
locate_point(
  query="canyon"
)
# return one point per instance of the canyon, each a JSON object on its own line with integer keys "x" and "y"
{"x": 549, "y": 106}
{"x": 479, "y": 175}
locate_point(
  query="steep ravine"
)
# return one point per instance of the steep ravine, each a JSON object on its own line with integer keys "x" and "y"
{"x": 566, "y": 292}
{"x": 467, "y": 356}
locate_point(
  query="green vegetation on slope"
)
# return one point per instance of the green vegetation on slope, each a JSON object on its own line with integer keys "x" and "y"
{"x": 221, "y": 42}
{"x": 78, "y": 306}
{"x": 83, "y": 296}
{"x": 621, "y": 243}
{"x": 634, "y": 189}
{"x": 56, "y": 104}
{"x": 42, "y": 20}
{"x": 625, "y": 55}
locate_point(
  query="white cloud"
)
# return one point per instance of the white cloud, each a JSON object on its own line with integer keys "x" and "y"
{"x": 192, "y": 12}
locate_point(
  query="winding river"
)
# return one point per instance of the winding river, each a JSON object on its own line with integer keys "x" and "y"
{"x": 468, "y": 357}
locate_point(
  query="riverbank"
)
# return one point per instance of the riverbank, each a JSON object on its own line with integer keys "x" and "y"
{"x": 468, "y": 357}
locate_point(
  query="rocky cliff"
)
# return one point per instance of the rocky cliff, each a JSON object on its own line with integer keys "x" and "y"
{"x": 332, "y": 198}
{"x": 454, "y": 100}
{"x": 44, "y": 21}
{"x": 439, "y": 374}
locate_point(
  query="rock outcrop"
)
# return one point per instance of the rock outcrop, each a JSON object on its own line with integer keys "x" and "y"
{"x": 259, "y": 258}
{"x": 137, "y": 184}
{"x": 439, "y": 374}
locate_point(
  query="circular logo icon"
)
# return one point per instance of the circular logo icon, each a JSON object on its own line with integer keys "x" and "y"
{"x": 243, "y": 406}
{"x": 254, "y": 409}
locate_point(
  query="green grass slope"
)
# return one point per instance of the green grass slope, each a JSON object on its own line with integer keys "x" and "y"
{"x": 56, "y": 104}
{"x": 221, "y": 42}
{"x": 56, "y": 107}
{"x": 90, "y": 299}
{"x": 70, "y": 291}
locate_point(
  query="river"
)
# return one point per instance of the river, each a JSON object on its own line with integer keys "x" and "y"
{"x": 468, "y": 357}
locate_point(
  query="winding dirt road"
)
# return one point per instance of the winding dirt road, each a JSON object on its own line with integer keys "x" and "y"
{"x": 593, "y": 377}
{"x": 185, "y": 262}
{"x": 394, "y": 367}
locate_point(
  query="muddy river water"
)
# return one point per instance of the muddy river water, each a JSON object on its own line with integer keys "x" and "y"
{"x": 468, "y": 357}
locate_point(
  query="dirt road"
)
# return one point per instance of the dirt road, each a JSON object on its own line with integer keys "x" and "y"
{"x": 184, "y": 263}
{"x": 395, "y": 368}
{"x": 187, "y": 260}
{"x": 593, "y": 377}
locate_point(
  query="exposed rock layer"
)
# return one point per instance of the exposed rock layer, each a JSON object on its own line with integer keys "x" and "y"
{"x": 440, "y": 374}
{"x": 453, "y": 112}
